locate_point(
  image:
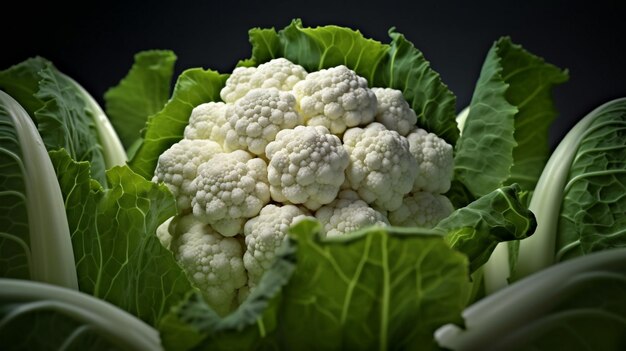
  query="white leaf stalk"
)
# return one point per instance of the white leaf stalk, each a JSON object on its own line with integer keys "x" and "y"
{"x": 461, "y": 118}
{"x": 51, "y": 253}
{"x": 491, "y": 322}
{"x": 110, "y": 322}
{"x": 497, "y": 269}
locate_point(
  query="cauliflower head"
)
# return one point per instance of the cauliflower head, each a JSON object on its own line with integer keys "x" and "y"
{"x": 207, "y": 121}
{"x": 264, "y": 234}
{"x": 213, "y": 263}
{"x": 347, "y": 214}
{"x": 394, "y": 111}
{"x": 278, "y": 73}
{"x": 285, "y": 145}
{"x": 177, "y": 167}
{"x": 381, "y": 169}
{"x": 336, "y": 98}
{"x": 254, "y": 120}
{"x": 435, "y": 159}
{"x": 306, "y": 166}
{"x": 230, "y": 188}
{"x": 421, "y": 209}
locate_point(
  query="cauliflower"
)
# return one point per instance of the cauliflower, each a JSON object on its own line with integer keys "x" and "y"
{"x": 279, "y": 73}
{"x": 306, "y": 166}
{"x": 381, "y": 169}
{"x": 178, "y": 165}
{"x": 347, "y": 214}
{"x": 435, "y": 159}
{"x": 213, "y": 262}
{"x": 336, "y": 98}
{"x": 230, "y": 188}
{"x": 264, "y": 235}
{"x": 393, "y": 111}
{"x": 207, "y": 121}
{"x": 421, "y": 209}
{"x": 319, "y": 144}
{"x": 255, "y": 119}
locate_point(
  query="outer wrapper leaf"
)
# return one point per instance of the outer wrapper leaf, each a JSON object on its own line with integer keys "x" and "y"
{"x": 194, "y": 87}
{"x": 508, "y": 122}
{"x": 374, "y": 290}
{"x": 396, "y": 65}
{"x": 579, "y": 199}
{"x": 142, "y": 93}
{"x": 58, "y": 108}
{"x": 594, "y": 201}
{"x": 118, "y": 256}
{"x": 21, "y": 81}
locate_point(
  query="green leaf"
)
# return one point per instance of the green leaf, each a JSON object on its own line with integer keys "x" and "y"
{"x": 510, "y": 113}
{"x": 36, "y": 316}
{"x": 459, "y": 195}
{"x": 194, "y": 87}
{"x": 265, "y": 46}
{"x": 118, "y": 256}
{"x": 594, "y": 201}
{"x": 579, "y": 199}
{"x": 397, "y": 65}
{"x": 378, "y": 289}
{"x": 65, "y": 123}
{"x": 574, "y": 305}
{"x": 531, "y": 82}
{"x": 476, "y": 229}
{"x": 489, "y": 135}
{"x": 66, "y": 115}
{"x": 35, "y": 236}
{"x": 142, "y": 93}
{"x": 21, "y": 81}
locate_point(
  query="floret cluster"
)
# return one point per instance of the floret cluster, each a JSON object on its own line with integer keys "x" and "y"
{"x": 284, "y": 145}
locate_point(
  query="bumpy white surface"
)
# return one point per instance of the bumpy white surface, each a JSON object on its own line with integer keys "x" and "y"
{"x": 421, "y": 209}
{"x": 177, "y": 167}
{"x": 278, "y": 73}
{"x": 347, "y": 214}
{"x": 336, "y": 98}
{"x": 394, "y": 111}
{"x": 255, "y": 119}
{"x": 213, "y": 262}
{"x": 206, "y": 122}
{"x": 435, "y": 159}
{"x": 264, "y": 235}
{"x": 230, "y": 188}
{"x": 306, "y": 166}
{"x": 381, "y": 169}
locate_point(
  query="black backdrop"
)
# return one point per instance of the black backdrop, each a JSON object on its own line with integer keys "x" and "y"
{"x": 95, "y": 42}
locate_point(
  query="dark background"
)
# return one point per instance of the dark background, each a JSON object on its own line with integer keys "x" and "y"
{"x": 95, "y": 42}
